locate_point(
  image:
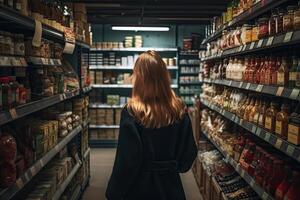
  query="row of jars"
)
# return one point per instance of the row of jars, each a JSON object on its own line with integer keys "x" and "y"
{"x": 269, "y": 114}
{"x": 268, "y": 70}
{"x": 234, "y": 9}
{"x": 281, "y": 21}
{"x": 276, "y": 175}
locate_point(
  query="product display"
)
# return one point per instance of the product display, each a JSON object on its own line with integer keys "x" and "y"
{"x": 43, "y": 103}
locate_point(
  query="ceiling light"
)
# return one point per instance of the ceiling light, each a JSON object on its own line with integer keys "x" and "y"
{"x": 139, "y": 28}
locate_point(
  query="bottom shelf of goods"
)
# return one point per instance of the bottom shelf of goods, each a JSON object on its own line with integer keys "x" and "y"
{"x": 266, "y": 170}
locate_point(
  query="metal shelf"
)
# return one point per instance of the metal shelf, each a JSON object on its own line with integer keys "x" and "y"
{"x": 133, "y": 49}
{"x": 86, "y": 89}
{"x": 189, "y": 73}
{"x": 27, "y": 23}
{"x": 92, "y": 126}
{"x": 13, "y": 61}
{"x": 189, "y": 64}
{"x": 103, "y": 143}
{"x": 85, "y": 123}
{"x": 96, "y": 67}
{"x": 256, "y": 10}
{"x": 98, "y": 105}
{"x": 76, "y": 193}
{"x": 21, "y": 182}
{"x": 284, "y": 146}
{"x": 44, "y": 61}
{"x": 29, "y": 108}
{"x": 257, "y": 188}
{"x": 290, "y": 93}
{"x": 120, "y": 86}
{"x": 85, "y": 183}
{"x": 66, "y": 182}
{"x": 86, "y": 153}
{"x": 191, "y": 83}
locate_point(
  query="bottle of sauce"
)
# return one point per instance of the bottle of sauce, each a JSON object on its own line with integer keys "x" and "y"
{"x": 294, "y": 126}
{"x": 272, "y": 23}
{"x": 294, "y": 190}
{"x": 248, "y": 109}
{"x": 268, "y": 72}
{"x": 297, "y": 17}
{"x": 293, "y": 73}
{"x": 279, "y": 21}
{"x": 275, "y": 64}
{"x": 15, "y": 91}
{"x": 284, "y": 186}
{"x": 243, "y": 108}
{"x": 263, "y": 71}
{"x": 270, "y": 117}
{"x": 283, "y": 73}
{"x": 262, "y": 112}
{"x": 281, "y": 127}
{"x": 288, "y": 19}
{"x": 259, "y": 66}
{"x": 254, "y": 112}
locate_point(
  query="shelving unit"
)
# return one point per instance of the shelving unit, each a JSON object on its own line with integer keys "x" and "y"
{"x": 260, "y": 191}
{"x": 258, "y": 9}
{"x": 193, "y": 71}
{"x": 279, "y": 91}
{"x": 284, "y": 146}
{"x": 14, "y": 22}
{"x": 122, "y": 90}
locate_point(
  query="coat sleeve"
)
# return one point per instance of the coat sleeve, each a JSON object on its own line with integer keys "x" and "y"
{"x": 128, "y": 159}
{"x": 187, "y": 149}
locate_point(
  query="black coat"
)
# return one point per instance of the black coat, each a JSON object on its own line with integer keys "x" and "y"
{"x": 148, "y": 161}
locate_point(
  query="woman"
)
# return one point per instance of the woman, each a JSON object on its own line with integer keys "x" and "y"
{"x": 155, "y": 141}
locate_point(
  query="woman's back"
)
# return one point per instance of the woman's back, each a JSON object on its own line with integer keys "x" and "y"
{"x": 155, "y": 141}
{"x": 148, "y": 160}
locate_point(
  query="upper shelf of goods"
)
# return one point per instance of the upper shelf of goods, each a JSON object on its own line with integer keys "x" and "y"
{"x": 22, "y": 22}
{"x": 264, "y": 25}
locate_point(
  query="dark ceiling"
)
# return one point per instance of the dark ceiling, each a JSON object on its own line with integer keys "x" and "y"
{"x": 150, "y": 12}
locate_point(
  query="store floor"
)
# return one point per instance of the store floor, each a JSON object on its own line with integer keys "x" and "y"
{"x": 101, "y": 166}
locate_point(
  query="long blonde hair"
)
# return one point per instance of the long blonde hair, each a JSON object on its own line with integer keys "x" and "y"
{"x": 153, "y": 104}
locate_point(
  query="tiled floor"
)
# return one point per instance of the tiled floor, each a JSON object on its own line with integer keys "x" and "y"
{"x": 101, "y": 166}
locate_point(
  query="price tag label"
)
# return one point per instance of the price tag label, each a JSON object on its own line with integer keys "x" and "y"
{"x": 290, "y": 150}
{"x": 244, "y": 47}
{"x": 294, "y": 94}
{"x": 56, "y": 148}
{"x": 258, "y": 131}
{"x": 240, "y": 48}
{"x": 13, "y": 113}
{"x": 288, "y": 36}
{"x": 260, "y": 42}
{"x": 253, "y": 129}
{"x": 242, "y": 172}
{"x": 248, "y": 86}
{"x": 279, "y": 91}
{"x": 230, "y": 83}
{"x": 64, "y": 96}
{"x": 52, "y": 62}
{"x": 43, "y": 61}
{"x": 241, "y": 122}
{"x": 270, "y": 41}
{"x": 42, "y": 163}
{"x": 259, "y": 88}
{"x": 61, "y": 97}
{"x": 267, "y": 137}
{"x": 232, "y": 117}
{"x": 264, "y": 196}
{"x": 252, "y": 45}
{"x": 241, "y": 84}
{"x": 33, "y": 171}
{"x": 278, "y": 143}
{"x": 19, "y": 183}
{"x": 252, "y": 183}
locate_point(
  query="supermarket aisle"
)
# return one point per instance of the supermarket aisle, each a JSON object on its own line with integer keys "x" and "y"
{"x": 101, "y": 166}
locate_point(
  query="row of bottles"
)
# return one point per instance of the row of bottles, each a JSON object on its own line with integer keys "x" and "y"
{"x": 268, "y": 70}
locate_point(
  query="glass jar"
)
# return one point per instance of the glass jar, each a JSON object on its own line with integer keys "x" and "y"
{"x": 279, "y": 21}
{"x": 254, "y": 35}
{"x": 297, "y": 17}
{"x": 281, "y": 127}
{"x": 288, "y": 19}
{"x": 272, "y": 24}
{"x": 263, "y": 28}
